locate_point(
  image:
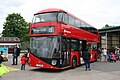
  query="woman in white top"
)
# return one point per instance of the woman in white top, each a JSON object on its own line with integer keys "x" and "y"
{"x": 105, "y": 54}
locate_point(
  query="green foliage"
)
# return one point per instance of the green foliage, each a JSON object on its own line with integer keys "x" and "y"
{"x": 16, "y": 26}
{"x": 107, "y": 26}
{"x": 5, "y": 59}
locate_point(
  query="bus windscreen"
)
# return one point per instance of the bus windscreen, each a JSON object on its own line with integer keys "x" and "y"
{"x": 47, "y": 47}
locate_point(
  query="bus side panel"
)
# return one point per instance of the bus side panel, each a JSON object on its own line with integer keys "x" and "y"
{"x": 94, "y": 56}
{"x": 77, "y": 55}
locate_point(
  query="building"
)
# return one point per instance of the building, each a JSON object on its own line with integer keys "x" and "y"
{"x": 9, "y": 42}
{"x": 110, "y": 37}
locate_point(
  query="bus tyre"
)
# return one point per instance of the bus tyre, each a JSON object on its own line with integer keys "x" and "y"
{"x": 74, "y": 63}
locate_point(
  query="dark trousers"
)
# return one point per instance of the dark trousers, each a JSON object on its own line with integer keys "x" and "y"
{"x": 15, "y": 60}
{"x": 0, "y": 61}
{"x": 23, "y": 67}
{"x": 87, "y": 63}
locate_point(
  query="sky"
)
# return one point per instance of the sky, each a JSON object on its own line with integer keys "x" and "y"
{"x": 98, "y": 13}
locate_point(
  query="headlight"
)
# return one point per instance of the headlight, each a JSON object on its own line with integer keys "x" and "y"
{"x": 54, "y": 62}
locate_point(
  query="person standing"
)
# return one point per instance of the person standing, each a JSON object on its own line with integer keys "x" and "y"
{"x": 16, "y": 53}
{"x": 86, "y": 57}
{"x": 117, "y": 51}
{"x": 23, "y": 61}
{"x": 99, "y": 54}
{"x": 105, "y": 54}
{"x": 1, "y": 59}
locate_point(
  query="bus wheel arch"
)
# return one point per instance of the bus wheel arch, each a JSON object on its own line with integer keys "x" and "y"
{"x": 74, "y": 62}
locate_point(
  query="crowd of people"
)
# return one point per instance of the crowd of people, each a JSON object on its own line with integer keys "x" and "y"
{"x": 103, "y": 55}
{"x": 109, "y": 55}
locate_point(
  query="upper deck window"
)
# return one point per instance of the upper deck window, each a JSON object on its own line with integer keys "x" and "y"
{"x": 71, "y": 20}
{"x": 77, "y": 23}
{"x": 67, "y": 19}
{"x": 63, "y": 17}
{"x": 45, "y": 17}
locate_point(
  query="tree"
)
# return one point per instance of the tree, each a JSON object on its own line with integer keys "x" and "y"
{"x": 16, "y": 26}
{"x": 107, "y": 26}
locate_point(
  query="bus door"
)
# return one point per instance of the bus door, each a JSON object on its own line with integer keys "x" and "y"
{"x": 75, "y": 50}
{"x": 66, "y": 51}
{"x": 82, "y": 47}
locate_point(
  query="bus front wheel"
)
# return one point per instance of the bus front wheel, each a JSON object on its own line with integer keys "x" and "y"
{"x": 74, "y": 63}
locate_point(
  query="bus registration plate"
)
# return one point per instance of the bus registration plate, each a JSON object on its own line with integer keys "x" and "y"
{"x": 40, "y": 65}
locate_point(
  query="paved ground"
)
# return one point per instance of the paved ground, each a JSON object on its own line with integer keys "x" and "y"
{"x": 100, "y": 71}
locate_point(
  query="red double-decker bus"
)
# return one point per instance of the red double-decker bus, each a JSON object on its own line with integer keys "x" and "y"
{"x": 57, "y": 40}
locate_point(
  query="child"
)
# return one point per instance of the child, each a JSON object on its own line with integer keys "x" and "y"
{"x": 23, "y": 62}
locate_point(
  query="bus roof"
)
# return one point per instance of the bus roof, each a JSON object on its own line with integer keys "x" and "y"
{"x": 56, "y": 9}
{"x": 49, "y": 10}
